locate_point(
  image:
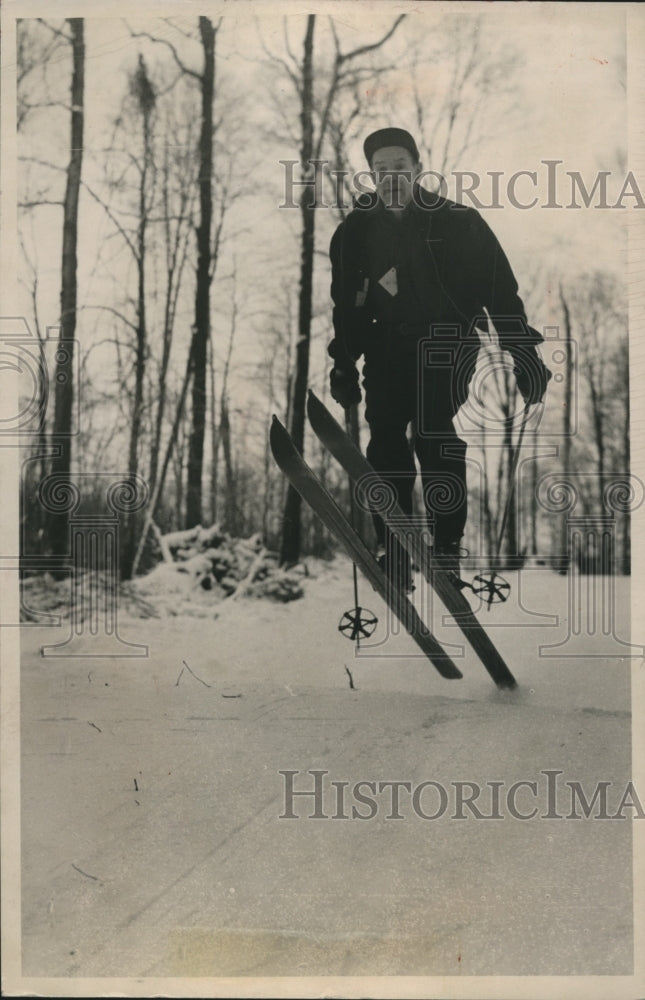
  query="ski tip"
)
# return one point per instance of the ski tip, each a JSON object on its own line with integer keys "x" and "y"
{"x": 317, "y": 411}
{"x": 277, "y": 433}
{"x": 312, "y": 401}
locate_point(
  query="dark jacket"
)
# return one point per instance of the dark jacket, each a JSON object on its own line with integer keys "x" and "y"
{"x": 464, "y": 263}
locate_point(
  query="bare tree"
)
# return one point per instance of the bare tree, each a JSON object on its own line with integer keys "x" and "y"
{"x": 501, "y": 399}
{"x": 177, "y": 199}
{"x": 41, "y": 444}
{"x": 272, "y": 376}
{"x": 207, "y": 251}
{"x": 451, "y": 124}
{"x": 143, "y": 93}
{"x": 600, "y": 326}
{"x": 595, "y": 446}
{"x": 222, "y": 432}
{"x": 202, "y": 328}
{"x": 563, "y": 563}
{"x": 135, "y": 171}
{"x": 64, "y": 372}
{"x": 144, "y": 97}
{"x": 290, "y": 552}
{"x": 311, "y": 143}
{"x": 38, "y": 51}
{"x": 622, "y": 392}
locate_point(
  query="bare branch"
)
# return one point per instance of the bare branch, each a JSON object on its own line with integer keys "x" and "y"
{"x": 108, "y": 211}
{"x": 169, "y": 45}
{"x": 26, "y": 106}
{"x": 374, "y": 45}
{"x": 162, "y": 91}
{"x": 26, "y": 65}
{"x": 33, "y": 288}
{"x": 106, "y": 340}
{"x": 353, "y": 76}
{"x": 175, "y": 27}
{"x": 285, "y": 65}
{"x": 331, "y": 92}
{"x": 38, "y": 203}
{"x": 115, "y": 312}
{"x": 56, "y": 31}
{"x": 347, "y": 77}
{"x": 286, "y": 43}
{"x": 332, "y": 26}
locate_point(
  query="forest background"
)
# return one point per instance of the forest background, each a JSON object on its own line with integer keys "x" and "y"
{"x": 153, "y": 154}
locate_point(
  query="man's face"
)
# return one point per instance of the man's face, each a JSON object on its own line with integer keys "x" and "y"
{"x": 393, "y": 172}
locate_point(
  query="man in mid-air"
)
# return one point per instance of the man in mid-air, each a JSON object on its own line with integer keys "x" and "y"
{"x": 413, "y": 275}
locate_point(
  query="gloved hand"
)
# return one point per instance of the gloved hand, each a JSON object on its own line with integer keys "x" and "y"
{"x": 532, "y": 376}
{"x": 343, "y": 384}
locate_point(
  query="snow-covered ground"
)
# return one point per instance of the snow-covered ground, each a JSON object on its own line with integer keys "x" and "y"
{"x": 152, "y": 843}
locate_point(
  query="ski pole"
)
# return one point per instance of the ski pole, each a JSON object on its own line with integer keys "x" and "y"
{"x": 351, "y": 426}
{"x": 511, "y": 484}
{"x": 359, "y": 621}
{"x": 488, "y": 584}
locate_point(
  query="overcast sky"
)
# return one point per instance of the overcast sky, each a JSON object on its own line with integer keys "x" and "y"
{"x": 570, "y": 105}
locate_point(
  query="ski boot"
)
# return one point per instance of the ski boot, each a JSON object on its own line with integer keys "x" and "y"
{"x": 396, "y": 564}
{"x": 447, "y": 556}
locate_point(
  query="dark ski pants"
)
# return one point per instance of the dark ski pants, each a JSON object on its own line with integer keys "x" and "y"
{"x": 398, "y": 392}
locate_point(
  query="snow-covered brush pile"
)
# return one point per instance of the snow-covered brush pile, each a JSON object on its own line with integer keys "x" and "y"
{"x": 200, "y": 568}
{"x": 206, "y": 566}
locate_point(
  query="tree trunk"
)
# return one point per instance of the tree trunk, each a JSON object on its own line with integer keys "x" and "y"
{"x": 506, "y": 485}
{"x": 267, "y": 494}
{"x": 214, "y": 435}
{"x": 201, "y": 332}
{"x": 179, "y": 480}
{"x": 176, "y": 251}
{"x": 131, "y": 521}
{"x": 230, "y": 504}
{"x": 626, "y": 532}
{"x": 161, "y": 396}
{"x": 488, "y": 514}
{"x": 563, "y": 557}
{"x": 64, "y": 375}
{"x": 509, "y": 500}
{"x": 534, "y": 504}
{"x": 291, "y": 531}
{"x": 140, "y": 350}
